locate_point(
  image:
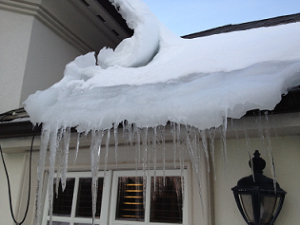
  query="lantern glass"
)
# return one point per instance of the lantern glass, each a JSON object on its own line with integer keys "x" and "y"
{"x": 267, "y": 208}
{"x": 246, "y": 202}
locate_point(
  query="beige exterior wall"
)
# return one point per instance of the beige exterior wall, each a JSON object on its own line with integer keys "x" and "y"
{"x": 286, "y": 156}
{"x": 15, "y": 37}
{"x": 47, "y": 57}
{"x": 15, "y": 165}
{"x": 218, "y": 200}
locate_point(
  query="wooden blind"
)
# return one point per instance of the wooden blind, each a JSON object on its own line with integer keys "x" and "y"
{"x": 130, "y": 199}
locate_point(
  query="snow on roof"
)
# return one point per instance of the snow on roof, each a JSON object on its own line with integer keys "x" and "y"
{"x": 155, "y": 76}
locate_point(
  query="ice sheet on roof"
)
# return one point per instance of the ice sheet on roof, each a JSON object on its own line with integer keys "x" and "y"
{"x": 154, "y": 77}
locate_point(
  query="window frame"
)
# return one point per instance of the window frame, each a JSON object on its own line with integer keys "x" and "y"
{"x": 73, "y": 219}
{"x": 110, "y": 195}
{"x": 149, "y": 173}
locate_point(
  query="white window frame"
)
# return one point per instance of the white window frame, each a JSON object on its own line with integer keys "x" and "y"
{"x": 133, "y": 173}
{"x": 72, "y": 219}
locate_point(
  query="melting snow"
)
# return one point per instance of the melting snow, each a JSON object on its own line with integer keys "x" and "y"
{"x": 195, "y": 82}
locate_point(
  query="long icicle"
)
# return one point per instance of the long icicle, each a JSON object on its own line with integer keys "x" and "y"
{"x": 95, "y": 160}
{"x": 205, "y": 147}
{"x": 40, "y": 174}
{"x": 66, "y": 145}
{"x": 173, "y": 131}
{"x": 269, "y": 149}
{"x": 145, "y": 162}
{"x": 196, "y": 166}
{"x": 53, "y": 148}
{"x": 116, "y": 142}
{"x": 59, "y": 158}
{"x": 154, "y": 155}
{"x": 77, "y": 147}
{"x": 106, "y": 153}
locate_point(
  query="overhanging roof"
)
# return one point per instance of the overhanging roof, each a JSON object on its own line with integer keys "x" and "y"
{"x": 289, "y": 102}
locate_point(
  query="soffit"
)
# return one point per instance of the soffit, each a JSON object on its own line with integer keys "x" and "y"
{"x": 85, "y": 24}
{"x": 88, "y": 21}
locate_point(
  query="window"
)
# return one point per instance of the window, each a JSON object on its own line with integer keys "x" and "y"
{"x": 162, "y": 203}
{"x": 127, "y": 197}
{"x": 74, "y": 205}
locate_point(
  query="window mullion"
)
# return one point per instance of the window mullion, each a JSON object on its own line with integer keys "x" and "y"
{"x": 148, "y": 198}
{"x": 74, "y": 200}
{"x": 106, "y": 199}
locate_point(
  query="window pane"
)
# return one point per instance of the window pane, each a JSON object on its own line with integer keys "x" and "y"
{"x": 130, "y": 199}
{"x": 84, "y": 198}
{"x": 62, "y": 204}
{"x": 166, "y": 200}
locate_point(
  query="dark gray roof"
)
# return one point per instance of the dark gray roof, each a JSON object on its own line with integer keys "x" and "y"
{"x": 246, "y": 26}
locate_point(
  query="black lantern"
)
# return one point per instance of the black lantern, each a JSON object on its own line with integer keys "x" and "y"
{"x": 257, "y": 197}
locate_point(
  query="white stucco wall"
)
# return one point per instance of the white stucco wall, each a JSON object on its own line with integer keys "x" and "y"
{"x": 15, "y": 34}
{"x": 47, "y": 57}
{"x": 220, "y": 207}
{"x": 15, "y": 165}
{"x": 286, "y": 155}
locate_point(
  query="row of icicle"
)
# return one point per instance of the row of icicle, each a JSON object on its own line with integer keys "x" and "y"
{"x": 147, "y": 143}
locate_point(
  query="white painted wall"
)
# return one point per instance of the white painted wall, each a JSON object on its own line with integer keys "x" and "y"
{"x": 15, "y": 165}
{"x": 15, "y": 35}
{"x": 286, "y": 155}
{"x": 47, "y": 57}
{"x": 220, "y": 207}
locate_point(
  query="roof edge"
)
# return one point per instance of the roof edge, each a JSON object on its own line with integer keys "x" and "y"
{"x": 275, "y": 21}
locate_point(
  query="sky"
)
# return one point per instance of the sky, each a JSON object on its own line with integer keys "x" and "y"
{"x": 190, "y": 16}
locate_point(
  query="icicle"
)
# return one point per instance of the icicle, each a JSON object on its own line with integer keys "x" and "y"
{"x": 95, "y": 159}
{"x": 123, "y": 125}
{"x": 260, "y": 131}
{"x": 173, "y": 131}
{"x": 196, "y": 167}
{"x": 249, "y": 152}
{"x": 53, "y": 148}
{"x": 77, "y": 147}
{"x": 163, "y": 140}
{"x": 154, "y": 155}
{"x": 145, "y": 161}
{"x": 138, "y": 141}
{"x": 40, "y": 174}
{"x": 269, "y": 149}
{"x": 59, "y": 158}
{"x": 204, "y": 142}
{"x": 178, "y": 139}
{"x": 106, "y": 152}
{"x": 129, "y": 133}
{"x": 223, "y": 137}
{"x": 66, "y": 144}
{"x": 135, "y": 131}
{"x": 212, "y": 134}
{"x": 179, "y": 193}
{"x": 236, "y": 134}
{"x": 181, "y": 162}
{"x": 116, "y": 142}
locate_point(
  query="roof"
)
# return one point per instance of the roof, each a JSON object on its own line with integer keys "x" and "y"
{"x": 12, "y": 126}
{"x": 246, "y": 26}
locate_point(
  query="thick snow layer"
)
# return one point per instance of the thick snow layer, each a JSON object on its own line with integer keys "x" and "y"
{"x": 155, "y": 77}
